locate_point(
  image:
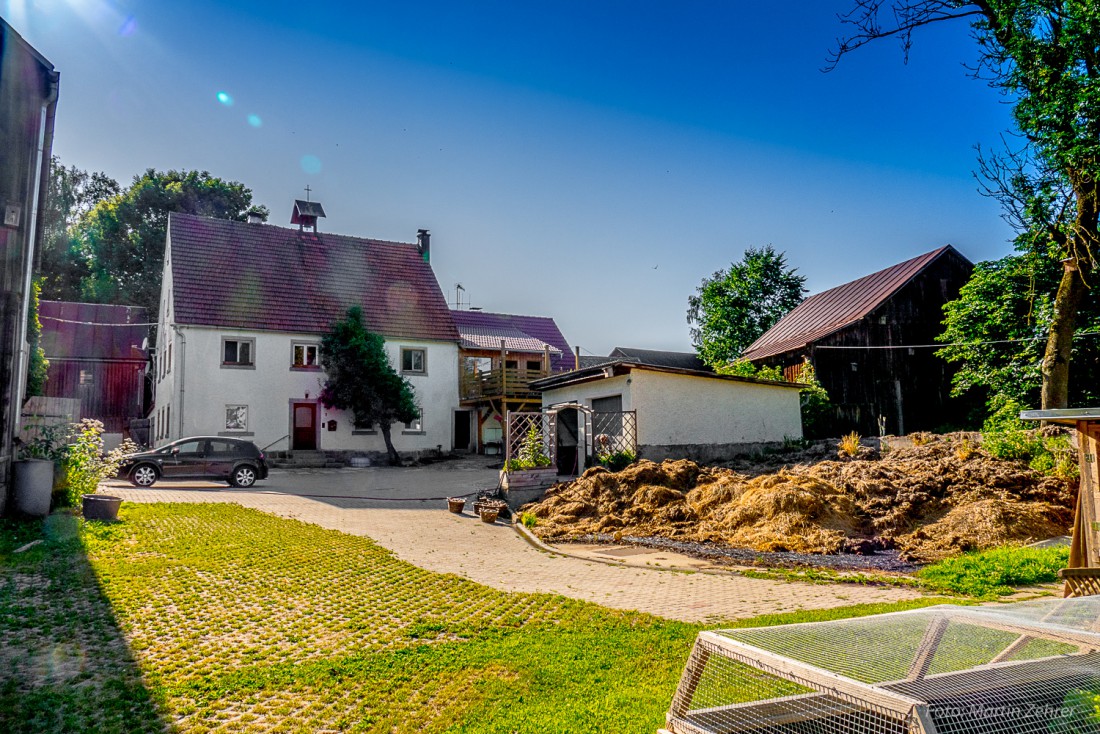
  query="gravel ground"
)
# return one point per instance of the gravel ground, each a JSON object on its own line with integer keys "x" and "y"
{"x": 880, "y": 561}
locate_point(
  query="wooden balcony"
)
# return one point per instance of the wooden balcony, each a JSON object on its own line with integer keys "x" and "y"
{"x": 494, "y": 384}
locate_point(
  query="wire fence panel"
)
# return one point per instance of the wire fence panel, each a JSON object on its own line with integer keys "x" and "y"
{"x": 528, "y": 440}
{"x": 614, "y": 433}
{"x": 1025, "y": 668}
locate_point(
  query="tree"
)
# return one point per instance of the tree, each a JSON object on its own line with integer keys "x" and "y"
{"x": 1045, "y": 56}
{"x": 361, "y": 379}
{"x": 734, "y": 307}
{"x": 122, "y": 238}
{"x": 997, "y": 328}
{"x": 72, "y": 194}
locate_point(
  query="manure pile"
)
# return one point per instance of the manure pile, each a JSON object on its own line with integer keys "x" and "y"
{"x": 924, "y": 501}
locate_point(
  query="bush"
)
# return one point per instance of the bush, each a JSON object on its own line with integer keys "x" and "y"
{"x": 995, "y": 572}
{"x": 84, "y": 465}
{"x": 1005, "y": 436}
{"x": 618, "y": 460}
{"x": 849, "y": 444}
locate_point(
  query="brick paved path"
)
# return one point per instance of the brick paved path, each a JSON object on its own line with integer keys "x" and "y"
{"x": 425, "y": 534}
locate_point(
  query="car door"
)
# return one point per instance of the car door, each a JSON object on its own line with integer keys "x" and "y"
{"x": 220, "y": 458}
{"x": 186, "y": 459}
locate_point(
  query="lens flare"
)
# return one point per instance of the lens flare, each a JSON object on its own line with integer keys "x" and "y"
{"x": 311, "y": 164}
{"x": 255, "y": 121}
{"x": 128, "y": 27}
{"x": 225, "y": 98}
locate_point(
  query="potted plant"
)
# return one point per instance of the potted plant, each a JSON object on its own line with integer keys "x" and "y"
{"x": 489, "y": 510}
{"x": 86, "y": 466}
{"x": 33, "y": 473}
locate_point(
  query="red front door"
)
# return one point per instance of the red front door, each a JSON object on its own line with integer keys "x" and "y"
{"x": 305, "y": 426}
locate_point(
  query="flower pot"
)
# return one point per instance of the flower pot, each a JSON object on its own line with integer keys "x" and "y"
{"x": 100, "y": 506}
{"x": 489, "y": 514}
{"x": 455, "y": 504}
{"x": 33, "y": 482}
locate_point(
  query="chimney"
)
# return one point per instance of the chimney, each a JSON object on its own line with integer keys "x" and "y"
{"x": 424, "y": 244}
{"x": 255, "y": 218}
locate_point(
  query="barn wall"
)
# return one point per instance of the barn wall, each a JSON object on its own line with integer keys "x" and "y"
{"x": 112, "y": 393}
{"x": 909, "y": 387}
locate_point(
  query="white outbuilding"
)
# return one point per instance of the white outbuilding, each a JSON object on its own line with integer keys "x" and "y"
{"x": 681, "y": 408}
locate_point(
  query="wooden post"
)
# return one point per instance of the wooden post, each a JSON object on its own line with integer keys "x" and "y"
{"x": 503, "y": 372}
{"x": 546, "y": 360}
{"x": 1084, "y": 550}
{"x": 577, "y": 358}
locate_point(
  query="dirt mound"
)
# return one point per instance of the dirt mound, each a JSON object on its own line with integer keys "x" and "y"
{"x": 929, "y": 501}
{"x": 985, "y": 524}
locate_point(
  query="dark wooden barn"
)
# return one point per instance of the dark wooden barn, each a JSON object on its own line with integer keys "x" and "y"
{"x": 95, "y": 353}
{"x": 867, "y": 341}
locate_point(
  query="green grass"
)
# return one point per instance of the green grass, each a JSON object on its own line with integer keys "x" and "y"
{"x": 992, "y": 573}
{"x": 218, "y": 618}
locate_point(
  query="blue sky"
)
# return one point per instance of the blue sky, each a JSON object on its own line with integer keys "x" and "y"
{"x": 590, "y": 161}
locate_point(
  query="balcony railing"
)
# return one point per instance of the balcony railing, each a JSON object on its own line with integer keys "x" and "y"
{"x": 498, "y": 383}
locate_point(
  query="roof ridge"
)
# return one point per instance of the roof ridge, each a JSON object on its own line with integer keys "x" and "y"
{"x": 292, "y": 230}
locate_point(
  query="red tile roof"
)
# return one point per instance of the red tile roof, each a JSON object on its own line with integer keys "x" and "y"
{"x": 829, "y": 311}
{"x": 80, "y": 331}
{"x": 258, "y": 276}
{"x": 482, "y": 327}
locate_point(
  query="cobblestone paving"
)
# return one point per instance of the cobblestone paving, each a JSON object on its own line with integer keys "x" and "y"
{"x": 422, "y": 532}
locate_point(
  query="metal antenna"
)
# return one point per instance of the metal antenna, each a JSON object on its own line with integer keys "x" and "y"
{"x": 308, "y": 189}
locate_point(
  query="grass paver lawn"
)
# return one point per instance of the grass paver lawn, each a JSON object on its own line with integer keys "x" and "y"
{"x": 219, "y": 618}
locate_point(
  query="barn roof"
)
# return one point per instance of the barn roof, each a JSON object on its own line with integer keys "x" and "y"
{"x": 485, "y": 330}
{"x": 258, "y": 276}
{"x": 830, "y": 311}
{"x": 88, "y": 331}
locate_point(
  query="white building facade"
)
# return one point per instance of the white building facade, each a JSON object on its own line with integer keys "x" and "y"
{"x": 226, "y": 363}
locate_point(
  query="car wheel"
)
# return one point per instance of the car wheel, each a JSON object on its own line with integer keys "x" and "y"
{"x": 243, "y": 476}
{"x": 143, "y": 475}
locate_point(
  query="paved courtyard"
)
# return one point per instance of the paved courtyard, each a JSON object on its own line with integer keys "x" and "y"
{"x": 403, "y": 510}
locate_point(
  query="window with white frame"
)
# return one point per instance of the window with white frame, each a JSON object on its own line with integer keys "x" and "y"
{"x": 236, "y": 417}
{"x": 238, "y": 352}
{"x": 414, "y": 361}
{"x": 417, "y": 424}
{"x": 304, "y": 356}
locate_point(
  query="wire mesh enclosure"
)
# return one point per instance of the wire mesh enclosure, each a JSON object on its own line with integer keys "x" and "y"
{"x": 1025, "y": 668}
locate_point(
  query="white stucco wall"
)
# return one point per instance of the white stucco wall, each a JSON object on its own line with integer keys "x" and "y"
{"x": 200, "y": 388}
{"x": 677, "y": 410}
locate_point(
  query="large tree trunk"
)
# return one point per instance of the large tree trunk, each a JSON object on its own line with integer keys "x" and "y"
{"x": 1072, "y": 290}
{"x": 390, "y": 450}
{"x": 1060, "y": 342}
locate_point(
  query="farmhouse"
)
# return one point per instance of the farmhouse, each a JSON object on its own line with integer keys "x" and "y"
{"x": 243, "y": 308}
{"x": 869, "y": 342}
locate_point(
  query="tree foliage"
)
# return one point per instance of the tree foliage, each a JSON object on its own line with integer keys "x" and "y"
{"x": 121, "y": 240}
{"x": 361, "y": 380}
{"x": 37, "y": 365}
{"x": 997, "y": 329}
{"x": 73, "y": 193}
{"x": 1044, "y": 55}
{"x": 733, "y": 307}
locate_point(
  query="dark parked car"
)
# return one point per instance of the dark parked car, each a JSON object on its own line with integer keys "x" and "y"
{"x": 200, "y": 457}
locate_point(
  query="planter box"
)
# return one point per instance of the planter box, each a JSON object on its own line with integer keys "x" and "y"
{"x": 528, "y": 485}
